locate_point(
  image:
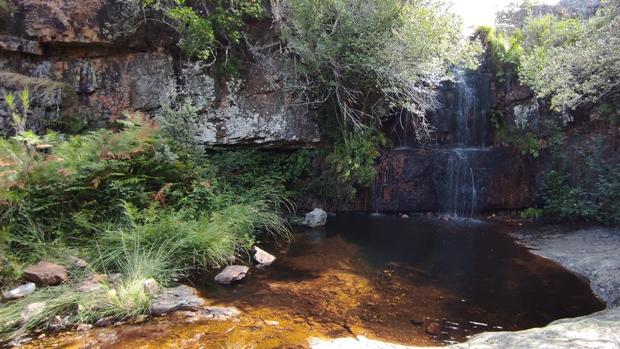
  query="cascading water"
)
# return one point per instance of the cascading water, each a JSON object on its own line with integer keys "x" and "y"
{"x": 462, "y": 194}
{"x": 458, "y": 195}
{"x": 452, "y": 175}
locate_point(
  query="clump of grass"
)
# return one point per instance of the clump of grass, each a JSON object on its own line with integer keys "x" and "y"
{"x": 117, "y": 300}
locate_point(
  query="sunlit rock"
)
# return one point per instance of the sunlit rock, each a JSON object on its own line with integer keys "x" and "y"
{"x": 316, "y": 218}
{"x": 181, "y": 297}
{"x": 261, "y": 257}
{"x": 232, "y": 273}
{"x": 21, "y": 291}
{"x": 46, "y": 273}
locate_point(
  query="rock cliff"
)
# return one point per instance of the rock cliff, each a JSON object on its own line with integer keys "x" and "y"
{"x": 92, "y": 60}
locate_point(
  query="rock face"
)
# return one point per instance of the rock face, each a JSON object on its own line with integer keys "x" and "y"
{"x": 589, "y": 252}
{"x": 232, "y": 273}
{"x": 21, "y": 291}
{"x": 597, "y": 331}
{"x": 177, "y": 298}
{"x": 46, "y": 273}
{"x": 423, "y": 180}
{"x": 95, "y": 59}
{"x": 316, "y": 218}
{"x": 262, "y": 257}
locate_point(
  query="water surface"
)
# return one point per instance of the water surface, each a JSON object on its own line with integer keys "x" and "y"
{"x": 410, "y": 281}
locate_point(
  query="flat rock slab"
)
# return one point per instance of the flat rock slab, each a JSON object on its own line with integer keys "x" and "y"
{"x": 46, "y": 273}
{"x": 177, "y": 298}
{"x": 596, "y": 331}
{"x": 232, "y": 273}
{"x": 21, "y": 291}
{"x": 591, "y": 252}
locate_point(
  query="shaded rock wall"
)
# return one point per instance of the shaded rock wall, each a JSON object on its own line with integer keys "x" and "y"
{"x": 111, "y": 60}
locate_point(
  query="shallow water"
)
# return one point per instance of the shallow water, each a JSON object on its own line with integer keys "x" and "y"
{"x": 384, "y": 277}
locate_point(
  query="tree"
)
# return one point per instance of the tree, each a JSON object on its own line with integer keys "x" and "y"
{"x": 363, "y": 58}
{"x": 573, "y": 61}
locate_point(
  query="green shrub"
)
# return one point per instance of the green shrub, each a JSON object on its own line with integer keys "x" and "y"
{"x": 352, "y": 162}
{"x": 531, "y": 213}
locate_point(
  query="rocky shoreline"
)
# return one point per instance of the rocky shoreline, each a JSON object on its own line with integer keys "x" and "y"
{"x": 590, "y": 252}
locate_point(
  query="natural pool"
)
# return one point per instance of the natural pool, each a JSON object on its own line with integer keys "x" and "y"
{"x": 412, "y": 281}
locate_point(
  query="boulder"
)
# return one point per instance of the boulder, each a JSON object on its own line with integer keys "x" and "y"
{"x": 77, "y": 262}
{"x": 46, "y": 273}
{"x": 93, "y": 283}
{"x": 316, "y": 218}
{"x": 232, "y": 273}
{"x": 262, "y": 257}
{"x": 177, "y": 298}
{"x": 30, "y": 311}
{"x": 151, "y": 286}
{"x": 21, "y": 291}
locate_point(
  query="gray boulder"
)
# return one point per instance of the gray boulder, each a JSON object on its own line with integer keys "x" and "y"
{"x": 232, "y": 273}
{"x": 21, "y": 291}
{"x": 316, "y": 218}
{"x": 262, "y": 257}
{"x": 177, "y": 298}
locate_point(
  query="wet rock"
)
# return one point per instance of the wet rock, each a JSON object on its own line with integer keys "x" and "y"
{"x": 262, "y": 257}
{"x": 105, "y": 322}
{"x": 221, "y": 313}
{"x": 21, "y": 291}
{"x": 177, "y": 298}
{"x": 31, "y": 310}
{"x": 58, "y": 323}
{"x": 139, "y": 319}
{"x": 432, "y": 327}
{"x": 591, "y": 252}
{"x": 46, "y": 273}
{"x": 232, "y": 273}
{"x": 316, "y": 218}
{"x": 151, "y": 286}
{"x": 83, "y": 327}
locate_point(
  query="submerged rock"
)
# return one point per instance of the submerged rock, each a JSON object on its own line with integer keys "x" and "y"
{"x": 232, "y": 273}
{"x": 316, "y": 218}
{"x": 262, "y": 257}
{"x": 46, "y": 273}
{"x": 181, "y": 297}
{"x": 21, "y": 291}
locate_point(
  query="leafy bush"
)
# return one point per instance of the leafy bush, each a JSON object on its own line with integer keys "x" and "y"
{"x": 218, "y": 24}
{"x": 353, "y": 162}
{"x": 134, "y": 199}
{"x": 573, "y": 61}
{"x": 531, "y": 213}
{"x": 507, "y": 52}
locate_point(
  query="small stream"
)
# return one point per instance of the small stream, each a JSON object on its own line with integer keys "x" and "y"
{"x": 405, "y": 280}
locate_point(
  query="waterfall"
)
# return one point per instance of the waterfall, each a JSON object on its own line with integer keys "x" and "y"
{"x": 461, "y": 191}
{"x": 468, "y": 110}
